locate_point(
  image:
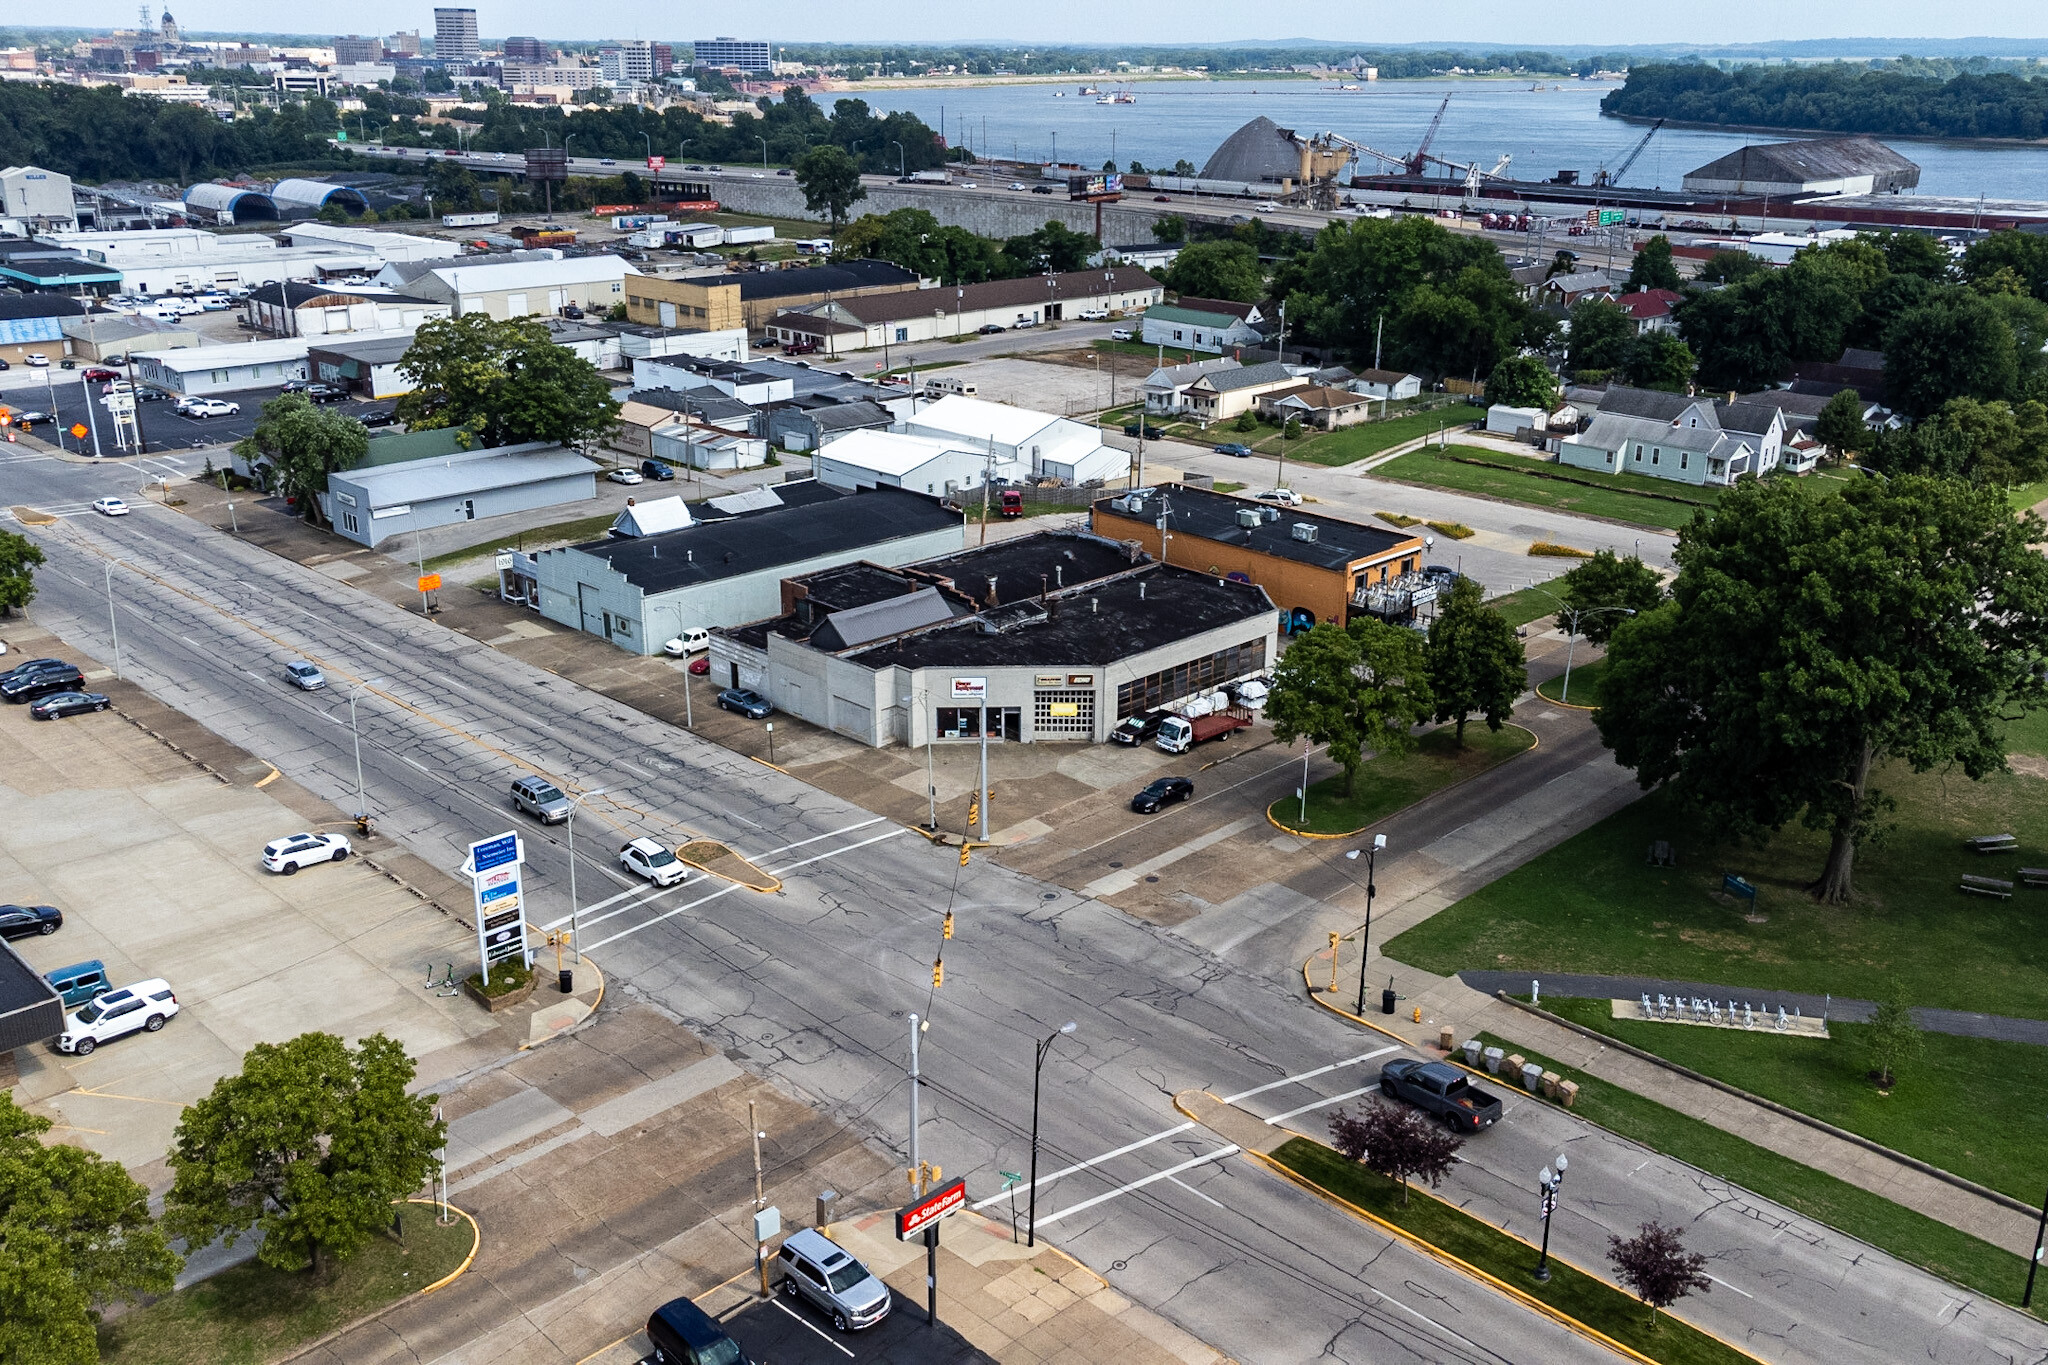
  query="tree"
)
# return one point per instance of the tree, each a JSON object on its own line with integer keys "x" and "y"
{"x": 1396, "y": 1141}
{"x": 1655, "y": 1264}
{"x": 1653, "y": 268}
{"x": 1912, "y": 253}
{"x": 1609, "y": 581}
{"x": 1598, "y": 335}
{"x": 1726, "y": 267}
{"x": 305, "y": 443}
{"x": 1171, "y": 228}
{"x": 75, "y": 1233}
{"x": 1895, "y": 1040}
{"x": 2025, "y": 254}
{"x": 1291, "y": 431}
{"x": 1522, "y": 381}
{"x": 20, "y": 557}
{"x": 1999, "y": 444}
{"x": 1812, "y": 637}
{"x": 830, "y": 180}
{"x": 1659, "y": 360}
{"x": 1315, "y": 696}
{"x": 1217, "y": 270}
{"x": 1475, "y": 661}
{"x": 1840, "y": 426}
{"x": 311, "y": 1143}
{"x": 1053, "y": 249}
{"x": 1957, "y": 345}
{"x": 502, "y": 383}
{"x": 1246, "y": 422}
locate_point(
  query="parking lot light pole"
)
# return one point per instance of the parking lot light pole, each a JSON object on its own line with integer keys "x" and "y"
{"x": 576, "y": 940}
{"x": 112, "y": 624}
{"x": 1547, "y": 1185}
{"x": 1037, "y": 1070}
{"x": 1379, "y": 841}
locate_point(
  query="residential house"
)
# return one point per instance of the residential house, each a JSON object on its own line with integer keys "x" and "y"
{"x": 1166, "y": 387}
{"x": 1567, "y": 289}
{"x": 1316, "y": 406}
{"x": 1394, "y": 385}
{"x": 1650, "y": 309}
{"x": 1683, "y": 451}
{"x": 1762, "y": 425}
{"x": 1202, "y": 325}
{"x": 1221, "y": 395}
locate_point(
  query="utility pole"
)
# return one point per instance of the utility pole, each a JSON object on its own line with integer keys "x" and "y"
{"x": 987, "y": 472}
{"x": 916, "y": 1166}
{"x": 760, "y": 1198}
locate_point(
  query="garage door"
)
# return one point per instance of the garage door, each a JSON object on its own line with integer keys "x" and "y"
{"x": 593, "y": 614}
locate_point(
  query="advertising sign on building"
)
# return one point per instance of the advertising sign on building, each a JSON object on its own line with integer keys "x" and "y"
{"x": 970, "y": 689}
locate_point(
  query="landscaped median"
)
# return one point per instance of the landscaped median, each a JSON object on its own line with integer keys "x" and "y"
{"x": 1586, "y": 679}
{"x": 1393, "y": 781}
{"x": 1585, "y": 1301}
{"x": 251, "y": 1314}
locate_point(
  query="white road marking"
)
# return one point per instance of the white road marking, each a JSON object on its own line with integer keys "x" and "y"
{"x": 1279, "y": 1119}
{"x": 1197, "y": 1193}
{"x": 1141, "y": 1183}
{"x": 813, "y": 1326}
{"x": 1311, "y": 1075}
{"x": 1725, "y": 1285}
{"x": 848, "y": 829}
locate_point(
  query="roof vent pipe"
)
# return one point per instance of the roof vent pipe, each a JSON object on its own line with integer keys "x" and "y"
{"x": 1141, "y": 590}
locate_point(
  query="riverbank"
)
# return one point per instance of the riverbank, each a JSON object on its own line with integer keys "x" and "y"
{"x": 2009, "y": 143}
{"x": 1103, "y": 80}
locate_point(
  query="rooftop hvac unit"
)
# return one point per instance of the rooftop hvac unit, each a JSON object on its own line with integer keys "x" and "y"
{"x": 1248, "y": 517}
{"x": 1305, "y": 531}
{"x": 1272, "y": 513}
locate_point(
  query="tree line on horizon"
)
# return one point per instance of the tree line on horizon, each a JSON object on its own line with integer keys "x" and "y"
{"x": 1837, "y": 97}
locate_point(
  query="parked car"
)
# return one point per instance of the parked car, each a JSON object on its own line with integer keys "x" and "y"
{"x": 304, "y": 676}
{"x": 1135, "y": 730}
{"x": 295, "y": 386}
{"x": 1150, "y": 432}
{"x": 326, "y": 393}
{"x": 646, "y": 858}
{"x": 990, "y": 328}
{"x": 701, "y": 665}
{"x": 79, "y": 982}
{"x": 37, "y": 360}
{"x": 209, "y": 407}
{"x": 25, "y": 686}
{"x": 1234, "y": 448}
{"x": 60, "y": 704}
{"x": 1160, "y": 794}
{"x": 1119, "y": 334}
{"x": 377, "y": 417}
{"x": 99, "y": 374}
{"x": 110, "y": 507}
{"x": 287, "y": 855}
{"x": 1441, "y": 1089}
{"x": 22, "y": 921}
{"x": 747, "y": 702}
{"x": 657, "y": 471}
{"x": 140, "y": 1008}
{"x": 1021, "y": 323}
{"x": 691, "y": 641}
{"x": 1286, "y": 497}
{"x": 541, "y": 799}
{"x": 625, "y": 475}
{"x": 684, "y": 1334}
{"x": 818, "y": 1270}
{"x": 1443, "y": 575}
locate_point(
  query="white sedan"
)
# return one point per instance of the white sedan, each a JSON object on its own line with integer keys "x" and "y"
{"x": 209, "y": 407}
{"x": 141, "y": 1008}
{"x": 624, "y": 475}
{"x": 110, "y": 507}
{"x": 646, "y": 858}
{"x": 294, "y": 851}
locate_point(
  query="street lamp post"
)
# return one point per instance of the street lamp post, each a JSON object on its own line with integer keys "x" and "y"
{"x": 1379, "y": 841}
{"x": 1547, "y": 1185}
{"x": 112, "y": 624}
{"x": 1037, "y": 1070}
{"x": 362, "y": 806}
{"x": 902, "y": 172}
{"x": 1574, "y": 615}
{"x": 574, "y": 909}
{"x": 764, "y": 152}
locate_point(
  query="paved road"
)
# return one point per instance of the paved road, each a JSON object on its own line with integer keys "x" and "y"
{"x": 810, "y": 986}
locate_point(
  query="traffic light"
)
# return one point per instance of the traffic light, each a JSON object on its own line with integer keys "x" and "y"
{"x": 973, "y": 810}
{"x": 965, "y": 850}
{"x": 948, "y": 930}
{"x": 939, "y": 973}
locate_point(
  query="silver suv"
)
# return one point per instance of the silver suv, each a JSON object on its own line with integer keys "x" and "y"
{"x": 541, "y": 799}
{"x": 815, "y": 1267}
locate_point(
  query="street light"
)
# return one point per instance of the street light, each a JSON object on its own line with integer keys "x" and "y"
{"x": 112, "y": 624}
{"x": 1547, "y": 1186}
{"x": 764, "y": 151}
{"x": 362, "y": 806}
{"x": 1038, "y": 1069}
{"x": 1573, "y": 616}
{"x": 901, "y": 162}
{"x": 1379, "y": 841}
{"x": 575, "y": 941}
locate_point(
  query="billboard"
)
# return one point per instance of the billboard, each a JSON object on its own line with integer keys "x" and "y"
{"x": 547, "y": 163}
{"x": 1107, "y": 185}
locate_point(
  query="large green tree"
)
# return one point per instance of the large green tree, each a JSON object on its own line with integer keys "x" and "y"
{"x": 1052, "y": 249}
{"x": 1522, "y": 381}
{"x": 1653, "y": 267}
{"x": 1840, "y": 426}
{"x": 305, "y": 443}
{"x": 1750, "y": 334}
{"x": 1475, "y": 661}
{"x": 2000, "y": 444}
{"x": 1353, "y": 689}
{"x": 20, "y": 557}
{"x": 501, "y": 383}
{"x": 75, "y": 1234}
{"x": 1598, "y": 335}
{"x": 2025, "y": 254}
{"x": 1659, "y": 360}
{"x": 830, "y": 180}
{"x": 1814, "y": 636}
{"x": 1956, "y": 345}
{"x": 1606, "y": 589}
{"x": 1221, "y": 269}
{"x": 311, "y": 1142}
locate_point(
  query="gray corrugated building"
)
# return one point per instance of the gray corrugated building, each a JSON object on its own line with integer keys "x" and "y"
{"x": 1828, "y": 165}
{"x": 370, "y": 505}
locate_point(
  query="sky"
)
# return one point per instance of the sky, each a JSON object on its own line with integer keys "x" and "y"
{"x": 1478, "y": 23}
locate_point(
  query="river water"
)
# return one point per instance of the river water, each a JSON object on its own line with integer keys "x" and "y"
{"x": 1556, "y": 127}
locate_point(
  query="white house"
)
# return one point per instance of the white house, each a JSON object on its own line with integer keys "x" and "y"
{"x": 1618, "y": 444}
{"x": 1202, "y": 325}
{"x": 1389, "y": 384}
{"x": 1038, "y": 443}
{"x": 1166, "y": 388}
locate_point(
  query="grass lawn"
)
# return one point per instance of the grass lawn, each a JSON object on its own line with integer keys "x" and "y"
{"x": 1393, "y": 782}
{"x": 1587, "y": 675}
{"x": 1523, "y": 606}
{"x": 1152, "y": 353}
{"x": 1910, "y": 1236}
{"x": 560, "y": 533}
{"x": 1598, "y": 1304}
{"x": 2027, "y": 735}
{"x": 1347, "y": 445}
{"x": 2026, "y": 495}
{"x": 1613, "y": 499}
{"x": 1936, "y": 1111}
{"x": 1593, "y": 904}
{"x": 1226, "y": 486}
{"x": 251, "y": 1313}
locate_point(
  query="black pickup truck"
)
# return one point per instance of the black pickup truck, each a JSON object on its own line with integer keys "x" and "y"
{"x": 1443, "y": 1090}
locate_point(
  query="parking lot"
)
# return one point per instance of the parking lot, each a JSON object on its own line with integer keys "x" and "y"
{"x": 163, "y": 428}
{"x": 153, "y": 860}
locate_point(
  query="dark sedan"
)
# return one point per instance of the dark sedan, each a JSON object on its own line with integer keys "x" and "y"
{"x": 1162, "y": 794}
{"x": 747, "y": 702}
{"x": 59, "y": 704}
{"x": 1234, "y": 448}
{"x": 21, "y": 921}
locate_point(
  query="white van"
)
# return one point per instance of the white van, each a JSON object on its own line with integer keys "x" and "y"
{"x": 953, "y": 386}
{"x": 693, "y": 640}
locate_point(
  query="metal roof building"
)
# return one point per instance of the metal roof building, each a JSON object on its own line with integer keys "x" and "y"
{"x": 316, "y": 195}
{"x": 1831, "y": 165}
{"x": 369, "y": 505}
{"x": 229, "y": 204}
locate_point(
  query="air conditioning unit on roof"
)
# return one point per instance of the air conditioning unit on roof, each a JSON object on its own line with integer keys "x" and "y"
{"x": 1305, "y": 531}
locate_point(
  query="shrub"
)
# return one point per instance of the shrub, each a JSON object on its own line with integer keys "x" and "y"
{"x": 1456, "y": 530}
{"x": 1555, "y": 551}
{"x": 1397, "y": 519}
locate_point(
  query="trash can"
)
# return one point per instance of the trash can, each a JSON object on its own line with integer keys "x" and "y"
{"x": 1387, "y": 998}
{"x": 565, "y": 979}
{"x": 1532, "y": 1078}
{"x": 1472, "y": 1051}
{"x": 1493, "y": 1057}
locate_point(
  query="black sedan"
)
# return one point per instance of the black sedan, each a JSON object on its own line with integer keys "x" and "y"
{"x": 747, "y": 702}
{"x": 1151, "y": 433}
{"x": 67, "y": 704}
{"x": 21, "y": 921}
{"x": 1162, "y": 794}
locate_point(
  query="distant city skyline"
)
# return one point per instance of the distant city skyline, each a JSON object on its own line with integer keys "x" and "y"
{"x": 1453, "y": 23}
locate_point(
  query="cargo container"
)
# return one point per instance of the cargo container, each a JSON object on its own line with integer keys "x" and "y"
{"x": 468, "y": 219}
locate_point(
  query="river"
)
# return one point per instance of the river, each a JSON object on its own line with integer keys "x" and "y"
{"x": 1544, "y": 130}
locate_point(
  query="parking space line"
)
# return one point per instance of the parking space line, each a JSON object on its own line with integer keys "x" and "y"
{"x": 1141, "y": 1183}
{"x": 1279, "y": 1119}
{"x": 793, "y": 1317}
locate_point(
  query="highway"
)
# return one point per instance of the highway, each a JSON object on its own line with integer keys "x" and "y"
{"x": 811, "y": 985}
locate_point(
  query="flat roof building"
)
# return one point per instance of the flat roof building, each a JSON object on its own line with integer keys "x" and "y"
{"x": 751, "y": 55}
{"x": 455, "y": 37}
{"x": 370, "y": 505}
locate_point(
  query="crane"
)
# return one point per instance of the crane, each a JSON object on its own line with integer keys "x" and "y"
{"x": 1418, "y": 159}
{"x": 1607, "y": 177}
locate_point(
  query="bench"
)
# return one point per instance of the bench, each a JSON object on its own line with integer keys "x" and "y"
{"x": 1987, "y": 886}
{"x": 2034, "y": 876}
{"x": 1662, "y": 855}
{"x": 1993, "y": 843}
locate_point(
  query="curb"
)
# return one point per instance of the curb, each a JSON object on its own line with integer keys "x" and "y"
{"x": 1568, "y": 705}
{"x": 476, "y": 1245}
{"x": 1963, "y": 1183}
{"x": 1535, "y": 743}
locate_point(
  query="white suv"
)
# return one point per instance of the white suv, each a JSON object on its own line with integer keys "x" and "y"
{"x": 646, "y": 858}
{"x": 294, "y": 851}
{"x": 141, "y": 1008}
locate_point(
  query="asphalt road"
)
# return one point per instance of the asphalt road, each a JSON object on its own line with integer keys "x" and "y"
{"x": 811, "y": 985}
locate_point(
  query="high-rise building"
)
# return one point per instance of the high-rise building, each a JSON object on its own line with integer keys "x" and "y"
{"x": 529, "y": 51}
{"x": 630, "y": 63}
{"x": 455, "y": 35}
{"x": 403, "y": 44}
{"x": 353, "y": 49}
{"x": 739, "y": 54}
{"x": 664, "y": 59}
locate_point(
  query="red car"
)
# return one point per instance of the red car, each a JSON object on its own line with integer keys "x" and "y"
{"x": 701, "y": 665}
{"x": 100, "y": 373}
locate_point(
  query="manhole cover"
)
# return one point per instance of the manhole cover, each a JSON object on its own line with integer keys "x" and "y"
{"x": 1116, "y": 864}
{"x": 1050, "y": 896}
